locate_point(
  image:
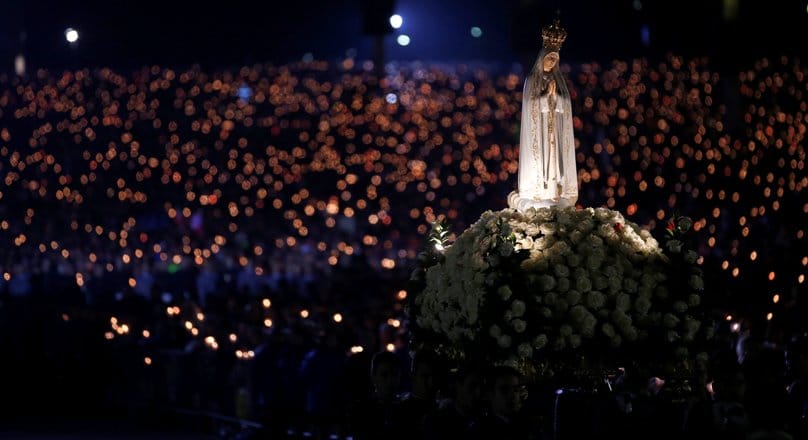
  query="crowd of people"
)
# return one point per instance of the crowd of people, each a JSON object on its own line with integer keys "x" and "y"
{"x": 237, "y": 240}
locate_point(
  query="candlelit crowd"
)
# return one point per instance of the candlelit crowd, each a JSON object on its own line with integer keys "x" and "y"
{"x": 239, "y": 241}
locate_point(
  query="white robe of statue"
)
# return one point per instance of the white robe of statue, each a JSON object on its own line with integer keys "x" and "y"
{"x": 548, "y": 174}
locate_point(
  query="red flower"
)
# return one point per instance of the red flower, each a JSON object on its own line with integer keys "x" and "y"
{"x": 671, "y": 226}
{"x": 618, "y": 227}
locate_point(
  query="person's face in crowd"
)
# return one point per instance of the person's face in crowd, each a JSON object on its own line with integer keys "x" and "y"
{"x": 506, "y": 398}
{"x": 386, "y": 381}
{"x": 423, "y": 381}
{"x": 469, "y": 392}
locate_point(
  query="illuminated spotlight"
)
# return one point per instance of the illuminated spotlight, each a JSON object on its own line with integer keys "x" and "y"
{"x": 391, "y": 98}
{"x": 396, "y": 21}
{"x": 735, "y": 327}
{"x": 71, "y": 35}
{"x": 337, "y": 317}
{"x": 403, "y": 40}
{"x": 390, "y": 347}
{"x": 476, "y": 32}
{"x": 357, "y": 349}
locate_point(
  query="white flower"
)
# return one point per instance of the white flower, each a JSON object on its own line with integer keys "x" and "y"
{"x": 642, "y": 305}
{"x": 588, "y": 327}
{"x": 518, "y": 308}
{"x": 525, "y": 350}
{"x": 696, "y": 282}
{"x": 561, "y": 270}
{"x": 691, "y": 257}
{"x": 623, "y": 302}
{"x": 563, "y": 284}
{"x": 504, "y": 292}
{"x": 545, "y": 312}
{"x": 595, "y": 300}
{"x": 524, "y": 243}
{"x": 675, "y": 246}
{"x": 629, "y": 285}
{"x": 519, "y": 325}
{"x": 607, "y": 330}
{"x": 504, "y": 341}
{"x": 578, "y": 314}
{"x": 573, "y": 297}
{"x": 672, "y": 336}
{"x": 546, "y": 283}
{"x": 575, "y": 341}
{"x": 670, "y": 320}
{"x": 540, "y": 341}
{"x": 679, "y": 306}
{"x": 495, "y": 331}
{"x": 693, "y": 300}
{"x": 583, "y": 284}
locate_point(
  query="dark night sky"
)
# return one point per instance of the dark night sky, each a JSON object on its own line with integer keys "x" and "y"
{"x": 128, "y": 33}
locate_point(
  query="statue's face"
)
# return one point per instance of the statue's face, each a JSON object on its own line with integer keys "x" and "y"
{"x": 550, "y": 61}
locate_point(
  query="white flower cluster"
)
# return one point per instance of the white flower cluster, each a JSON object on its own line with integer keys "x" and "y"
{"x": 583, "y": 275}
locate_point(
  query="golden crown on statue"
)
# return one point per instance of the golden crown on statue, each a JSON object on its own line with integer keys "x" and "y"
{"x": 553, "y": 36}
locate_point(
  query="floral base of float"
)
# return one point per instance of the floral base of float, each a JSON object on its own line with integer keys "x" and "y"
{"x": 561, "y": 291}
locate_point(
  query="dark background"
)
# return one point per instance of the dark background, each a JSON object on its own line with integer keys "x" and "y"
{"x": 127, "y": 33}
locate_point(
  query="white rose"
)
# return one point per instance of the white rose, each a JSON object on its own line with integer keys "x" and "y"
{"x": 504, "y": 341}
{"x": 691, "y": 257}
{"x": 519, "y": 325}
{"x": 563, "y": 284}
{"x": 525, "y": 350}
{"x": 595, "y": 300}
{"x": 670, "y": 320}
{"x": 693, "y": 300}
{"x": 607, "y": 330}
{"x": 578, "y": 314}
{"x": 629, "y": 285}
{"x": 679, "y": 306}
{"x": 540, "y": 341}
{"x": 616, "y": 341}
{"x": 583, "y": 284}
{"x": 573, "y": 297}
{"x": 672, "y": 336}
{"x": 623, "y": 302}
{"x": 525, "y": 243}
{"x": 565, "y": 330}
{"x": 504, "y": 292}
{"x": 642, "y": 305}
{"x": 575, "y": 341}
{"x": 518, "y": 308}
{"x": 546, "y": 283}
{"x": 573, "y": 260}
{"x": 588, "y": 327}
{"x": 495, "y": 331}
{"x": 675, "y": 246}
{"x": 545, "y": 312}
{"x": 561, "y": 270}
{"x": 696, "y": 282}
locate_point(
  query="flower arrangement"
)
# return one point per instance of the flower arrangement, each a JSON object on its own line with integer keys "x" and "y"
{"x": 534, "y": 289}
